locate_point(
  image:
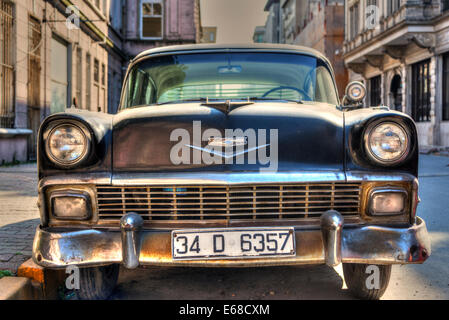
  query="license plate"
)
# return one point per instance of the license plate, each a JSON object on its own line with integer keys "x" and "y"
{"x": 233, "y": 243}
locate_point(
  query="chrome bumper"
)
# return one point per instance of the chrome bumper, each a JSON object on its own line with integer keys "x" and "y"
{"x": 330, "y": 243}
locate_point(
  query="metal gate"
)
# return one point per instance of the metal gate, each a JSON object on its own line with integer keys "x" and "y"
{"x": 6, "y": 65}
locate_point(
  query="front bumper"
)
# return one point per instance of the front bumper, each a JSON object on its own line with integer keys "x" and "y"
{"x": 330, "y": 243}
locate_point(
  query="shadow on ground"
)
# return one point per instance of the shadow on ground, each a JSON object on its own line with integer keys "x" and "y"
{"x": 270, "y": 283}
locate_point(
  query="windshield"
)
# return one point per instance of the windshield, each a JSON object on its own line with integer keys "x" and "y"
{"x": 227, "y": 76}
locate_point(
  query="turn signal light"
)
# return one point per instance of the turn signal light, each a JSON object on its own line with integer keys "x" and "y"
{"x": 71, "y": 205}
{"x": 385, "y": 202}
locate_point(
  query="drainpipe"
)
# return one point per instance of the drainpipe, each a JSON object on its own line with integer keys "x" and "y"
{"x": 45, "y": 60}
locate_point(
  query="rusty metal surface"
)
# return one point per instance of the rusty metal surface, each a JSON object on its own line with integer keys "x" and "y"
{"x": 365, "y": 244}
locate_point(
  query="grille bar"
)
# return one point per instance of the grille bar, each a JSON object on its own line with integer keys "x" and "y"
{"x": 288, "y": 201}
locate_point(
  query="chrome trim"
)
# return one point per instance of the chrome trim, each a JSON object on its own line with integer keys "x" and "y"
{"x": 130, "y": 226}
{"x": 218, "y": 178}
{"x": 360, "y": 244}
{"x": 214, "y": 178}
{"x": 415, "y": 200}
{"x": 87, "y": 138}
{"x": 362, "y": 89}
{"x": 331, "y": 225}
{"x": 372, "y": 156}
{"x": 352, "y": 176}
{"x": 75, "y": 179}
{"x": 386, "y": 190}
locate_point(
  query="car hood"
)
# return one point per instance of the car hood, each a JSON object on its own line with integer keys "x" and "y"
{"x": 166, "y": 138}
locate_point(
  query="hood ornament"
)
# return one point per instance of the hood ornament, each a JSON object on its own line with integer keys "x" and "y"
{"x": 227, "y": 105}
{"x": 228, "y": 143}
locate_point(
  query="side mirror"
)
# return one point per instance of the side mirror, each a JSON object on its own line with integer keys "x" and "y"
{"x": 355, "y": 93}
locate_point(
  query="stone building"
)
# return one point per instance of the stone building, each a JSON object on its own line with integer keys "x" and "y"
{"x": 400, "y": 50}
{"x": 259, "y": 34}
{"x": 320, "y": 25}
{"x": 159, "y": 23}
{"x": 208, "y": 35}
{"x": 291, "y": 15}
{"x": 48, "y": 64}
{"x": 273, "y": 25}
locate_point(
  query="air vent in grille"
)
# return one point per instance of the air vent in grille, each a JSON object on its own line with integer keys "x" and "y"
{"x": 228, "y": 202}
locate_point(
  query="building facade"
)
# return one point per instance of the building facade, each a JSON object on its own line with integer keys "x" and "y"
{"x": 320, "y": 25}
{"x": 159, "y": 23}
{"x": 208, "y": 35}
{"x": 400, "y": 50}
{"x": 273, "y": 25}
{"x": 56, "y": 54}
{"x": 259, "y": 34}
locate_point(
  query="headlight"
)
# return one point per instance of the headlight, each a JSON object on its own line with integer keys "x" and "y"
{"x": 387, "y": 202}
{"x": 387, "y": 143}
{"x": 66, "y": 144}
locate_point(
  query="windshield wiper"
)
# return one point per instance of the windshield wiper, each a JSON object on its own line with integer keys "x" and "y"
{"x": 274, "y": 99}
{"x": 201, "y": 99}
{"x": 224, "y": 105}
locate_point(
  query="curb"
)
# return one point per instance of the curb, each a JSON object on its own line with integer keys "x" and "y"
{"x": 47, "y": 280}
{"x": 33, "y": 282}
{"x": 19, "y": 288}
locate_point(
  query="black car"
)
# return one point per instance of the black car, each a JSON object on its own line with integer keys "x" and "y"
{"x": 230, "y": 156}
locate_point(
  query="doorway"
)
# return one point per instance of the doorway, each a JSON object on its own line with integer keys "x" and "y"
{"x": 396, "y": 92}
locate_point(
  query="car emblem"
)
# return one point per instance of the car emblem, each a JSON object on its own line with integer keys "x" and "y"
{"x": 228, "y": 144}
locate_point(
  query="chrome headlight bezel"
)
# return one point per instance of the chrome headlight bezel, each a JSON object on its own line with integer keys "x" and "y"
{"x": 381, "y": 161}
{"x": 356, "y": 91}
{"x": 86, "y": 137}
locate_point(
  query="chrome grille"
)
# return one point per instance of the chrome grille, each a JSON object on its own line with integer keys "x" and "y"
{"x": 292, "y": 201}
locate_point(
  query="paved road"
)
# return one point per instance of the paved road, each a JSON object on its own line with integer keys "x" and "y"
{"x": 19, "y": 216}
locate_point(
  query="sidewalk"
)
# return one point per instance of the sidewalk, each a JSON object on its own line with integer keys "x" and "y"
{"x": 436, "y": 150}
{"x": 19, "y": 215}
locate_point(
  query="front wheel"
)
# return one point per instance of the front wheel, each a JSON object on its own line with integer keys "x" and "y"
{"x": 97, "y": 283}
{"x": 367, "y": 281}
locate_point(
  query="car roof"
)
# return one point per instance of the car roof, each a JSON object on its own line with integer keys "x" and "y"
{"x": 225, "y": 47}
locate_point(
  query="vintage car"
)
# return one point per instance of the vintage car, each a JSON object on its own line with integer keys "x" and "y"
{"x": 230, "y": 156}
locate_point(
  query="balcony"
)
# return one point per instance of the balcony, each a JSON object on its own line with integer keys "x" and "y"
{"x": 392, "y": 35}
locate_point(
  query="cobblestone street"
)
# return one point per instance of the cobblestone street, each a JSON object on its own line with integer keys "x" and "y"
{"x": 19, "y": 215}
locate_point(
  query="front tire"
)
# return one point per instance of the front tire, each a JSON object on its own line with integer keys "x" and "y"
{"x": 361, "y": 280}
{"x": 97, "y": 283}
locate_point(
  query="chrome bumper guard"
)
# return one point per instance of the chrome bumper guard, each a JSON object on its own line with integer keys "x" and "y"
{"x": 331, "y": 244}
